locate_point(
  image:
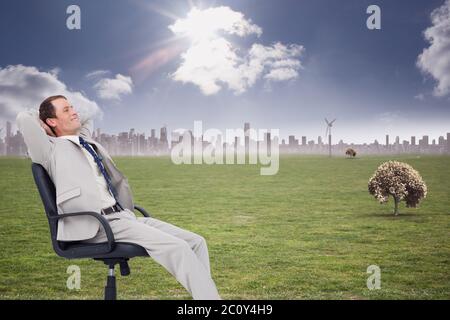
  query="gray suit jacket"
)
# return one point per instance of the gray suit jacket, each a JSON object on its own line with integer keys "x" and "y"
{"x": 67, "y": 166}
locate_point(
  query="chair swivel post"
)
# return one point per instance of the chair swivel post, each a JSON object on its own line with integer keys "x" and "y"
{"x": 110, "y": 288}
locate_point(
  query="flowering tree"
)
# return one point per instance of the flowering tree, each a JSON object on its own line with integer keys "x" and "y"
{"x": 399, "y": 180}
{"x": 350, "y": 152}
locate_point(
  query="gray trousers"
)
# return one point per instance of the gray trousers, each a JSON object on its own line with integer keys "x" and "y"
{"x": 183, "y": 253}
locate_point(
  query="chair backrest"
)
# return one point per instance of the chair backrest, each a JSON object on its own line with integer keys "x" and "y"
{"x": 66, "y": 249}
{"x": 47, "y": 192}
{"x": 46, "y": 189}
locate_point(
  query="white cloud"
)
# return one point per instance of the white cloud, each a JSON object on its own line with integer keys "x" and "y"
{"x": 281, "y": 74}
{"x": 389, "y": 117}
{"x": 212, "y": 61}
{"x": 201, "y": 24}
{"x": 55, "y": 71}
{"x": 278, "y": 61}
{"x": 435, "y": 60}
{"x": 23, "y": 87}
{"x": 420, "y": 97}
{"x": 113, "y": 89}
{"x": 97, "y": 74}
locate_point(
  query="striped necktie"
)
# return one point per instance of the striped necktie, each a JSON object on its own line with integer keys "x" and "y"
{"x": 98, "y": 160}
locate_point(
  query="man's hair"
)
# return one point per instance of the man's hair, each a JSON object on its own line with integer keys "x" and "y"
{"x": 46, "y": 109}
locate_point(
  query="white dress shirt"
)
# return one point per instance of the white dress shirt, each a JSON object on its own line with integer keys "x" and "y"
{"x": 106, "y": 197}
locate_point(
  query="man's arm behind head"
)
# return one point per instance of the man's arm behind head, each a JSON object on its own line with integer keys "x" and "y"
{"x": 38, "y": 142}
{"x": 87, "y": 128}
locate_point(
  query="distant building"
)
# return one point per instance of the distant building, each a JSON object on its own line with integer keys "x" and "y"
{"x": 2, "y": 147}
{"x": 164, "y": 143}
{"x": 424, "y": 141}
{"x": 292, "y": 141}
{"x": 132, "y": 143}
{"x": 448, "y": 142}
{"x": 8, "y": 138}
{"x": 247, "y": 136}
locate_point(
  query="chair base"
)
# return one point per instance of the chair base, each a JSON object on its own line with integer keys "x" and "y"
{"x": 110, "y": 288}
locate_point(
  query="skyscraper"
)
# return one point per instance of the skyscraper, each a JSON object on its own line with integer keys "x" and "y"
{"x": 8, "y": 138}
{"x": 303, "y": 140}
{"x": 267, "y": 141}
{"x": 247, "y": 136}
{"x": 2, "y": 147}
{"x": 292, "y": 141}
{"x": 448, "y": 142}
{"x": 163, "y": 138}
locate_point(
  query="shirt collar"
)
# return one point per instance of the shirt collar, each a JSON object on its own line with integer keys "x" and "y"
{"x": 75, "y": 139}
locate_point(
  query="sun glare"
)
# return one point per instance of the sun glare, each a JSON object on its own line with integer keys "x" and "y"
{"x": 198, "y": 26}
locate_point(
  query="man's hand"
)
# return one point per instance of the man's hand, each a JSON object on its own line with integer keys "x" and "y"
{"x": 46, "y": 128}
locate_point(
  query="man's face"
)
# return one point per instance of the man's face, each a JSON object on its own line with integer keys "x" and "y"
{"x": 66, "y": 121}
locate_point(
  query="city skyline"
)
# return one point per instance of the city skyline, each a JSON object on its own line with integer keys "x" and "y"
{"x": 432, "y": 133}
{"x": 133, "y": 143}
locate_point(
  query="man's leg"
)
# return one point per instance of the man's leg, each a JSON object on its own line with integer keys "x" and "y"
{"x": 195, "y": 241}
{"x": 173, "y": 253}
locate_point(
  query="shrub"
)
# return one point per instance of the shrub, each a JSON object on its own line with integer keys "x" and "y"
{"x": 399, "y": 180}
{"x": 350, "y": 152}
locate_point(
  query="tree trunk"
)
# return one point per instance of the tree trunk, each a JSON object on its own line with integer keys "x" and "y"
{"x": 396, "y": 206}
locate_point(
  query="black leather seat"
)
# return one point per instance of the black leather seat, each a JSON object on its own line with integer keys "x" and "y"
{"x": 110, "y": 252}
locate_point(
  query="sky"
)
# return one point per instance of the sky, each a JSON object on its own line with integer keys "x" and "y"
{"x": 278, "y": 64}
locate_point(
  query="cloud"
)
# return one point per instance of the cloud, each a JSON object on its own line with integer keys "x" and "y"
{"x": 420, "y": 97}
{"x": 212, "y": 61}
{"x": 435, "y": 60}
{"x": 201, "y": 24}
{"x": 96, "y": 74}
{"x": 23, "y": 87}
{"x": 389, "y": 117}
{"x": 281, "y": 74}
{"x": 113, "y": 88}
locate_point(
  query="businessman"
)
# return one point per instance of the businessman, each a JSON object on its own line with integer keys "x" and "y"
{"x": 87, "y": 179}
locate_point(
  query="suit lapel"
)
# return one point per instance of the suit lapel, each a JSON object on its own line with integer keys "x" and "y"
{"x": 108, "y": 162}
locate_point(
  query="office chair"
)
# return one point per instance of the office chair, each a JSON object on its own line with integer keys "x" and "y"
{"x": 110, "y": 252}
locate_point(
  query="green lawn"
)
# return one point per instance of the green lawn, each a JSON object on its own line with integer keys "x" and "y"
{"x": 309, "y": 232}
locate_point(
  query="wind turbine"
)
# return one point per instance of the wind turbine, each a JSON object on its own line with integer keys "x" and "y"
{"x": 328, "y": 133}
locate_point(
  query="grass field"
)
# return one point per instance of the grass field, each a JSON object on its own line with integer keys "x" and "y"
{"x": 309, "y": 232}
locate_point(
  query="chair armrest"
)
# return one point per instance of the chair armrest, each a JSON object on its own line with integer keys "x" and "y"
{"x": 143, "y": 211}
{"x": 99, "y": 217}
